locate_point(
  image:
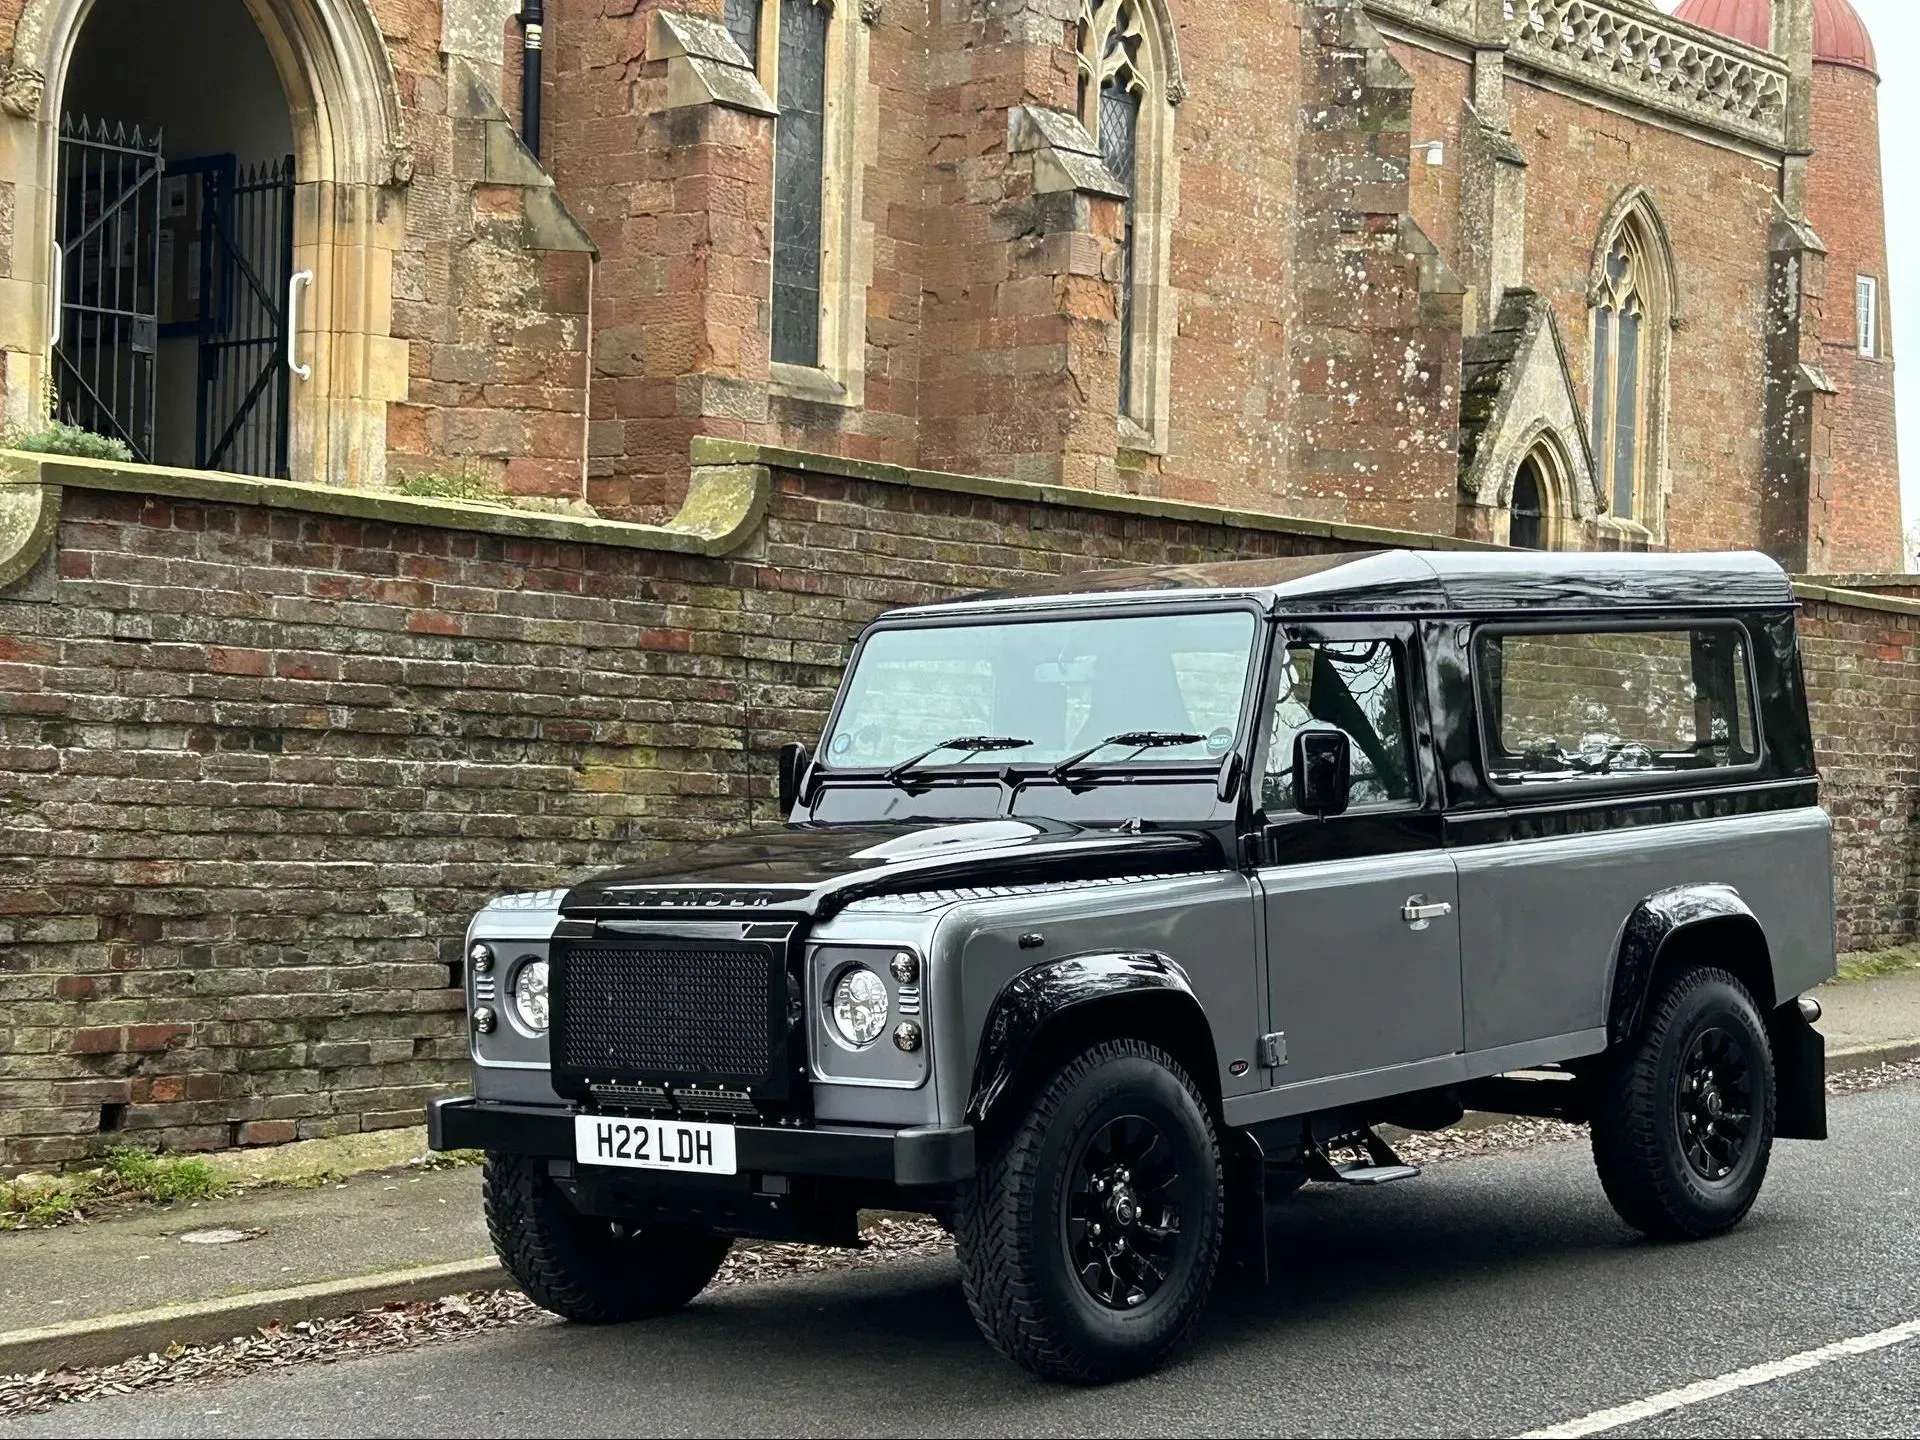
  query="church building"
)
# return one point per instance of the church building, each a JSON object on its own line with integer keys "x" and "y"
{"x": 1571, "y": 274}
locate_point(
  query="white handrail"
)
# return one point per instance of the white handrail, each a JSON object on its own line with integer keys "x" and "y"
{"x": 58, "y": 330}
{"x": 299, "y": 279}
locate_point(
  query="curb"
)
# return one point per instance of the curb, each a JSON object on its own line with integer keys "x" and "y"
{"x": 109, "y": 1339}
{"x": 1868, "y": 1057}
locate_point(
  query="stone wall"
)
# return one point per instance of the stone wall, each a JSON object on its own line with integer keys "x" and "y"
{"x": 263, "y": 749}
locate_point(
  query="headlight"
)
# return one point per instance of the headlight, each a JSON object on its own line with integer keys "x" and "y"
{"x": 530, "y": 995}
{"x": 859, "y": 1005}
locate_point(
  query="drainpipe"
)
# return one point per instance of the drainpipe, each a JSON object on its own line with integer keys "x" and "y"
{"x": 533, "y": 17}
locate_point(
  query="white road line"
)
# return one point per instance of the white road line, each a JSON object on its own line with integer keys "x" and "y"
{"x": 1602, "y": 1421}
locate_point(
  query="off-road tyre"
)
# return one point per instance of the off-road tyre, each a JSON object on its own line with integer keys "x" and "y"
{"x": 585, "y": 1269}
{"x": 1648, "y": 1114}
{"x": 1014, "y": 1231}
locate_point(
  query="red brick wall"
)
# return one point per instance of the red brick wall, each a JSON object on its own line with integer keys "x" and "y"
{"x": 1717, "y": 208}
{"x": 1442, "y": 85}
{"x": 1845, "y": 202}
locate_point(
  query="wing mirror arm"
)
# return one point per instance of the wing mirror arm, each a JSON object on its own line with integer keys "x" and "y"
{"x": 795, "y": 771}
{"x": 1227, "y": 785}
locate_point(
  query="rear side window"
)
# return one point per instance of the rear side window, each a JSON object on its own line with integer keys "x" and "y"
{"x": 1562, "y": 707}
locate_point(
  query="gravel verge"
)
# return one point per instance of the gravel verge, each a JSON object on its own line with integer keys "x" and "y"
{"x": 889, "y": 1238}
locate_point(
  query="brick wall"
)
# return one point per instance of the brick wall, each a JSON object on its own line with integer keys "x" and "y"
{"x": 1863, "y": 684}
{"x": 1858, "y": 514}
{"x": 258, "y": 766}
{"x": 1718, "y": 208}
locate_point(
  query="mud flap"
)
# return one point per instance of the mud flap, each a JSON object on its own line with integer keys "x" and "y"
{"x": 1800, "y": 1075}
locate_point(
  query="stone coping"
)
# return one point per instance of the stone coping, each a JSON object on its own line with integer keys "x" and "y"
{"x": 724, "y": 508}
{"x": 708, "y": 451}
{"x": 1820, "y": 587}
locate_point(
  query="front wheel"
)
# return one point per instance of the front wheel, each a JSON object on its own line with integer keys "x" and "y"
{"x": 1683, "y": 1120}
{"x": 584, "y": 1269}
{"x": 1089, "y": 1239}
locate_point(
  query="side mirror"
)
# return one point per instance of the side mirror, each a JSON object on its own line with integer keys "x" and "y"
{"x": 1322, "y": 772}
{"x": 1227, "y": 783}
{"x": 793, "y": 769}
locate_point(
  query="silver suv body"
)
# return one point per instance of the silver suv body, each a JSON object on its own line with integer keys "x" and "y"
{"x": 1108, "y": 915}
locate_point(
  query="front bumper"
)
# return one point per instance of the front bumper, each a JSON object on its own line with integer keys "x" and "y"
{"x": 902, "y": 1157}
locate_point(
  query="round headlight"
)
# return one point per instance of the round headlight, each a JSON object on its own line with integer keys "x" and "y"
{"x": 859, "y": 1005}
{"x": 530, "y": 995}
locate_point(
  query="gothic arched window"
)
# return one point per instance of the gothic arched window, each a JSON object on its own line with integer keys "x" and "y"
{"x": 811, "y": 56}
{"x": 1632, "y": 316}
{"x": 1126, "y": 103}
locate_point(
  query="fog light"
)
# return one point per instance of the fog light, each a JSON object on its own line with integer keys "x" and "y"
{"x": 481, "y": 958}
{"x": 905, "y": 967}
{"x": 906, "y": 1036}
{"x": 484, "y": 1020}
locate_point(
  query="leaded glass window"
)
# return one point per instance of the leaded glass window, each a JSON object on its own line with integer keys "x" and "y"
{"x": 743, "y": 23}
{"x": 1620, "y": 365}
{"x": 799, "y": 154}
{"x": 1113, "y": 85}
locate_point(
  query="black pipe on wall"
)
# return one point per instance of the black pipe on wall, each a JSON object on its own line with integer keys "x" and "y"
{"x": 533, "y": 24}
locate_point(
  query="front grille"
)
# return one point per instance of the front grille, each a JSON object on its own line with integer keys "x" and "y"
{"x": 695, "y": 1011}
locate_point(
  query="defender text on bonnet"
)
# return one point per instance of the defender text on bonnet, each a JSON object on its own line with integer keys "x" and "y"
{"x": 1107, "y": 917}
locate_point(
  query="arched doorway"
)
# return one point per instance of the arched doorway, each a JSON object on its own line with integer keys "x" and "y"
{"x": 1527, "y": 514}
{"x": 351, "y": 164}
{"x": 175, "y": 224}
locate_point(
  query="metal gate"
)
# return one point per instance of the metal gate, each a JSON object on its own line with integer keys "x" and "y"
{"x": 106, "y": 274}
{"x": 247, "y": 257}
{"x": 165, "y": 266}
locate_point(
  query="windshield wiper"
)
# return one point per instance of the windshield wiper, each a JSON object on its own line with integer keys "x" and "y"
{"x": 1138, "y": 739}
{"x": 967, "y": 744}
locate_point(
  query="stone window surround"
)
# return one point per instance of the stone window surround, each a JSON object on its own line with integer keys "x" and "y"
{"x": 1636, "y": 214}
{"x": 846, "y": 243}
{"x": 1866, "y": 307}
{"x": 1156, "y": 205}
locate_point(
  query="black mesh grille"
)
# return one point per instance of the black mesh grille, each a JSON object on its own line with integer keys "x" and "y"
{"x": 697, "y": 1010}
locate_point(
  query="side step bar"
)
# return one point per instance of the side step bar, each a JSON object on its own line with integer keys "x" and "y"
{"x": 1381, "y": 1167}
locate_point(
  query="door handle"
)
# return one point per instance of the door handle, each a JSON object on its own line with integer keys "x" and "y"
{"x": 299, "y": 280}
{"x": 58, "y": 284}
{"x": 1420, "y": 912}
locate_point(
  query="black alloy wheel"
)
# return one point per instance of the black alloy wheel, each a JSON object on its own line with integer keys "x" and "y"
{"x": 1089, "y": 1238}
{"x": 1683, "y": 1112}
{"x": 1714, "y": 1104}
{"x": 1122, "y": 1215}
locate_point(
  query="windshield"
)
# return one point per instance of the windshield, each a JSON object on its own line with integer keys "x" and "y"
{"x": 1063, "y": 685}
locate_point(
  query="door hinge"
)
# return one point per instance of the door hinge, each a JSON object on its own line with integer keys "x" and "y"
{"x": 1273, "y": 1049}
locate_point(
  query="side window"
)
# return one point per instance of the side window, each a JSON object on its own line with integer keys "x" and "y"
{"x": 1359, "y": 687}
{"x": 1560, "y": 708}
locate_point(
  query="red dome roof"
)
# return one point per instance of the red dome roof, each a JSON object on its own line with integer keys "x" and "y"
{"x": 1839, "y": 35}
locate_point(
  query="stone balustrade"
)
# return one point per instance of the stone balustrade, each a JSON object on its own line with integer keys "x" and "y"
{"x": 1625, "y": 51}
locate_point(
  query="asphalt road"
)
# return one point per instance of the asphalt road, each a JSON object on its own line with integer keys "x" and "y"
{"x": 1494, "y": 1296}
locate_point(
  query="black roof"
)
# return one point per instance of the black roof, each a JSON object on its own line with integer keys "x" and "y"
{"x": 1402, "y": 581}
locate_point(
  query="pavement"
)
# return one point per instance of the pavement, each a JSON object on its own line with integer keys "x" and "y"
{"x": 1491, "y": 1296}
{"x": 98, "y": 1293}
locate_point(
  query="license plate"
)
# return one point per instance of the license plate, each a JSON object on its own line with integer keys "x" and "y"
{"x": 654, "y": 1145}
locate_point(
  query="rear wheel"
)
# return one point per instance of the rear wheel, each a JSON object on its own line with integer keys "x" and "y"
{"x": 584, "y": 1269}
{"x": 1088, "y": 1241}
{"x": 1683, "y": 1124}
